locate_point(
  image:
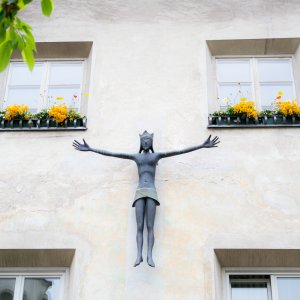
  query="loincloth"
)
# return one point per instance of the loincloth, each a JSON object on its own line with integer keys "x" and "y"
{"x": 142, "y": 193}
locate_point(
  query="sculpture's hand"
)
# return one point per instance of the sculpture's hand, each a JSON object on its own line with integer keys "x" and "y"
{"x": 81, "y": 147}
{"x": 211, "y": 143}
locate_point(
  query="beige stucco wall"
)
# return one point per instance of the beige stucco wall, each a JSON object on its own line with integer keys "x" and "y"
{"x": 149, "y": 71}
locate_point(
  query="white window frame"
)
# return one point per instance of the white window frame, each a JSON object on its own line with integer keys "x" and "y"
{"x": 43, "y": 101}
{"x": 20, "y": 274}
{"x": 274, "y": 273}
{"x": 255, "y": 74}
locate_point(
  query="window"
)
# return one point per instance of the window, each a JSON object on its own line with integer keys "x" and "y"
{"x": 263, "y": 286}
{"x": 257, "y": 78}
{"x": 50, "y": 83}
{"x": 31, "y": 285}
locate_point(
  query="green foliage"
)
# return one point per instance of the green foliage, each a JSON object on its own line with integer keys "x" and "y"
{"x": 5, "y": 54}
{"x": 268, "y": 113}
{"x": 47, "y": 7}
{"x": 229, "y": 110}
{"x": 219, "y": 113}
{"x": 72, "y": 115}
{"x": 43, "y": 115}
{"x": 16, "y": 34}
{"x": 279, "y": 112}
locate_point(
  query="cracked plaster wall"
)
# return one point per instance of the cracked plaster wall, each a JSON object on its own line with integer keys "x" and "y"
{"x": 149, "y": 64}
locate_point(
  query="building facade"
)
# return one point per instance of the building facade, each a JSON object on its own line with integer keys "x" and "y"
{"x": 228, "y": 223}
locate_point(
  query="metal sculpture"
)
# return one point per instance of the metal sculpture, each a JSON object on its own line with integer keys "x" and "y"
{"x": 146, "y": 200}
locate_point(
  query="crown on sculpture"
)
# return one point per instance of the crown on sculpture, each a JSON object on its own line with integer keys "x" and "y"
{"x": 146, "y": 134}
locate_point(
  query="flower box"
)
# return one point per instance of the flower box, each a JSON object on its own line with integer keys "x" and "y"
{"x": 17, "y": 123}
{"x": 244, "y": 114}
{"x": 262, "y": 121}
{"x": 220, "y": 120}
{"x": 232, "y": 120}
{"x": 249, "y": 121}
{"x": 35, "y": 124}
{"x": 266, "y": 120}
{"x": 74, "y": 123}
{"x": 18, "y": 117}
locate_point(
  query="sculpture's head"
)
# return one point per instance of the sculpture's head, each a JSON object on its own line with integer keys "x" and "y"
{"x": 146, "y": 142}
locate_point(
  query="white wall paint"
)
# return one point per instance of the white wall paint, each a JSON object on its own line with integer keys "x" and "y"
{"x": 149, "y": 72}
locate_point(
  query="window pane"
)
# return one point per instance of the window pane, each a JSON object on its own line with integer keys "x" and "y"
{"x": 288, "y": 288}
{"x": 70, "y": 96}
{"x": 269, "y": 91}
{"x": 41, "y": 289}
{"x": 20, "y": 74}
{"x": 65, "y": 73}
{"x": 233, "y": 70}
{"x": 274, "y": 70}
{"x": 24, "y": 95}
{"x": 249, "y": 291}
{"x": 7, "y": 288}
{"x": 234, "y": 92}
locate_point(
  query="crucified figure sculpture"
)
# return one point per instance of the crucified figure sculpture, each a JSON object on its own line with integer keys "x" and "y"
{"x": 146, "y": 200}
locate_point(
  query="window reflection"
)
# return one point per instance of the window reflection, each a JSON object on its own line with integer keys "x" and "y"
{"x": 41, "y": 289}
{"x": 7, "y": 287}
{"x": 249, "y": 287}
{"x": 288, "y": 288}
{"x": 275, "y": 69}
{"x": 255, "y": 79}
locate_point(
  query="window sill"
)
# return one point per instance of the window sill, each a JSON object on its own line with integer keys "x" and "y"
{"x": 42, "y": 125}
{"x": 274, "y": 121}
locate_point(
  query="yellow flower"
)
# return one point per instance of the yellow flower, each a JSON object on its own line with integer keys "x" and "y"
{"x": 58, "y": 113}
{"x": 59, "y": 98}
{"x": 288, "y": 108}
{"x": 245, "y": 107}
{"x": 85, "y": 94}
{"x": 243, "y": 99}
{"x": 16, "y": 111}
{"x": 280, "y": 93}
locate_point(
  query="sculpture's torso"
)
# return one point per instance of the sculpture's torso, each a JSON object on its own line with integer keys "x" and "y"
{"x": 146, "y": 163}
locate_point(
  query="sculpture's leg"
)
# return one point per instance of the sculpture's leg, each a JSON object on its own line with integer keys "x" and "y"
{"x": 140, "y": 215}
{"x": 150, "y": 216}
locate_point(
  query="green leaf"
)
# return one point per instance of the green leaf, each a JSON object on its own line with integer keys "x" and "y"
{"x": 27, "y": 1}
{"x": 30, "y": 40}
{"x": 23, "y": 3}
{"x": 28, "y": 57}
{"x": 47, "y": 7}
{"x": 6, "y": 50}
{"x": 2, "y": 15}
{"x": 21, "y": 44}
{"x": 28, "y": 36}
{"x": 2, "y": 33}
{"x": 12, "y": 36}
{"x": 22, "y": 25}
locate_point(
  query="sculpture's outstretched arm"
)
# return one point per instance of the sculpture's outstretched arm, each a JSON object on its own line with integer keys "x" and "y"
{"x": 207, "y": 144}
{"x": 86, "y": 147}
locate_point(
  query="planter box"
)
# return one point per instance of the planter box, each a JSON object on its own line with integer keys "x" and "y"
{"x": 75, "y": 123}
{"x": 42, "y": 124}
{"x": 260, "y": 122}
{"x": 267, "y": 120}
{"x": 278, "y": 119}
{"x": 220, "y": 120}
{"x": 224, "y": 120}
{"x": 250, "y": 121}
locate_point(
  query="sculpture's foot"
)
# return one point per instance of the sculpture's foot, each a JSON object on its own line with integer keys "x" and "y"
{"x": 150, "y": 262}
{"x": 138, "y": 261}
